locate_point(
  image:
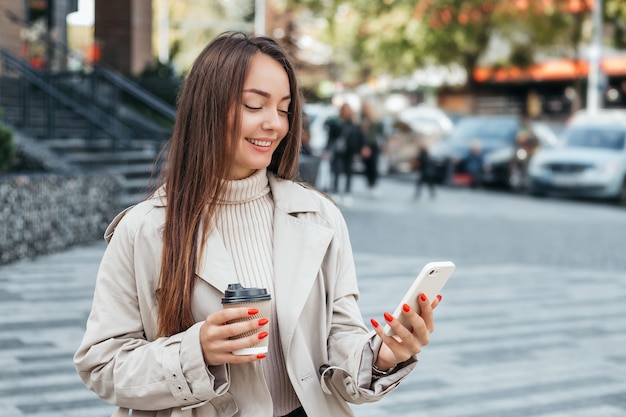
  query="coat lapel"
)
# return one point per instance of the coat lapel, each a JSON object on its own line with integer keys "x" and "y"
{"x": 215, "y": 264}
{"x": 299, "y": 249}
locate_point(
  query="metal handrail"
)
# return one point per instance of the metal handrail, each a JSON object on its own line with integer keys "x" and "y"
{"x": 100, "y": 72}
{"x": 137, "y": 92}
{"x": 111, "y": 125}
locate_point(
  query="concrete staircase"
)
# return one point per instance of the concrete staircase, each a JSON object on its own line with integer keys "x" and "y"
{"x": 136, "y": 167}
{"x": 49, "y": 114}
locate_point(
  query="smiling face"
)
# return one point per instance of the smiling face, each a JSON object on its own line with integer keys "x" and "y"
{"x": 264, "y": 116}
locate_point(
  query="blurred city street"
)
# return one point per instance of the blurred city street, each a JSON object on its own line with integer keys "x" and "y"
{"x": 531, "y": 323}
{"x": 513, "y": 105}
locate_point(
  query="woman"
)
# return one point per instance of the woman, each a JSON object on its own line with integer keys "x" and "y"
{"x": 158, "y": 339}
{"x": 425, "y": 171}
{"x": 374, "y": 138}
{"x": 345, "y": 141}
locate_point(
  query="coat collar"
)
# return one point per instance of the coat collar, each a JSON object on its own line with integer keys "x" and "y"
{"x": 300, "y": 246}
{"x": 294, "y": 238}
{"x": 289, "y": 196}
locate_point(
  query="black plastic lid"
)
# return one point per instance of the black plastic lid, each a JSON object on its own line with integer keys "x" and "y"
{"x": 235, "y": 293}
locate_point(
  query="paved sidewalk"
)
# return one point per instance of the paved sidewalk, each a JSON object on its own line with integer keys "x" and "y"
{"x": 527, "y": 367}
{"x": 513, "y": 339}
{"x": 43, "y": 308}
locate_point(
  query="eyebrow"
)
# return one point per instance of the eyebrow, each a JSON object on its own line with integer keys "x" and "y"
{"x": 264, "y": 93}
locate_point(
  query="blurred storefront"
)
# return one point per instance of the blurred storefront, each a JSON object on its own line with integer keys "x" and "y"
{"x": 554, "y": 88}
{"x": 27, "y": 26}
{"x": 123, "y": 34}
{"x": 37, "y": 30}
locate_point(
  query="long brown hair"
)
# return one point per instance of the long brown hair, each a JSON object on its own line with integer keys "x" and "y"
{"x": 199, "y": 156}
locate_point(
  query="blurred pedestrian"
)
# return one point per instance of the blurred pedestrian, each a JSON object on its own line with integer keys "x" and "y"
{"x": 309, "y": 163}
{"x": 305, "y": 147}
{"x": 345, "y": 140}
{"x": 526, "y": 144}
{"x": 474, "y": 162}
{"x": 425, "y": 173}
{"x": 373, "y": 132}
{"x": 158, "y": 340}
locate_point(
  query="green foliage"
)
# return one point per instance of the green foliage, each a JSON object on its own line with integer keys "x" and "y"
{"x": 7, "y": 149}
{"x": 397, "y": 36}
{"x": 615, "y": 13}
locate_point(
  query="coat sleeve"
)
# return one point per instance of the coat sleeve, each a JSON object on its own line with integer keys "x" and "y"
{"x": 119, "y": 358}
{"x": 352, "y": 350}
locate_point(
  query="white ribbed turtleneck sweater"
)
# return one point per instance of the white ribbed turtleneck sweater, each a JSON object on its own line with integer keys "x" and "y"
{"x": 245, "y": 220}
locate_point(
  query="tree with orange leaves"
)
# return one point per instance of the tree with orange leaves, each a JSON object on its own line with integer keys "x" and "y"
{"x": 398, "y": 36}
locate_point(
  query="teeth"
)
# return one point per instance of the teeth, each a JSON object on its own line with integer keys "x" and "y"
{"x": 260, "y": 142}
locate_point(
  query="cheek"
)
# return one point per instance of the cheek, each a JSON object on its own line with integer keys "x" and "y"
{"x": 285, "y": 128}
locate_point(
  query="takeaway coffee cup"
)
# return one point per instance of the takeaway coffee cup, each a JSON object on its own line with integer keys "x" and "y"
{"x": 238, "y": 296}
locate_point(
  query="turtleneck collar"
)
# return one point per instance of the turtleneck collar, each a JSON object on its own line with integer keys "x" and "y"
{"x": 247, "y": 189}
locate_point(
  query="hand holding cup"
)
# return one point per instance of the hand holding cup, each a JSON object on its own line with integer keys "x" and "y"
{"x": 237, "y": 333}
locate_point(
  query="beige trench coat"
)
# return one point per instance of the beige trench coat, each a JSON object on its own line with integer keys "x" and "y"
{"x": 123, "y": 362}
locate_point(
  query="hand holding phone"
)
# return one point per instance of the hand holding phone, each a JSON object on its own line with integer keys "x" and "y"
{"x": 429, "y": 281}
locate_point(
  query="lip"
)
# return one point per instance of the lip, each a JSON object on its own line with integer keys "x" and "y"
{"x": 259, "y": 146}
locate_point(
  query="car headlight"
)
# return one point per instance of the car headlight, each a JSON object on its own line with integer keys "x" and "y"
{"x": 607, "y": 169}
{"x": 611, "y": 168}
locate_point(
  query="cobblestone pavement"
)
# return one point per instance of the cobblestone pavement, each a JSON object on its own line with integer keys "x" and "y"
{"x": 515, "y": 337}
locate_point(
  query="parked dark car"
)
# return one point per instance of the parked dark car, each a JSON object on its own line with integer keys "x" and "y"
{"x": 504, "y": 157}
{"x": 508, "y": 166}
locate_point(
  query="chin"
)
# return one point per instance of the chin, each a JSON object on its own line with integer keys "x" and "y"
{"x": 260, "y": 164}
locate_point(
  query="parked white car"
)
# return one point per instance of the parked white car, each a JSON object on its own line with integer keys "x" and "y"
{"x": 427, "y": 120}
{"x": 589, "y": 163}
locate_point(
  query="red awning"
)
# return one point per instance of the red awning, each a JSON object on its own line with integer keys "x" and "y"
{"x": 558, "y": 69}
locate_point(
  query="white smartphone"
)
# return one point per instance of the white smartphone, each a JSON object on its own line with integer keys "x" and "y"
{"x": 429, "y": 281}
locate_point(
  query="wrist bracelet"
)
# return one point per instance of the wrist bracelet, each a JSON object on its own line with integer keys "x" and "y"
{"x": 379, "y": 374}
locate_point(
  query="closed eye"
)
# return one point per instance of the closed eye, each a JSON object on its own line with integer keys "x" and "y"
{"x": 253, "y": 108}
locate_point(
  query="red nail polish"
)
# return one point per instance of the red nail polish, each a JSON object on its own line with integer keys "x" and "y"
{"x": 406, "y": 308}
{"x": 263, "y": 322}
{"x": 423, "y": 297}
{"x": 439, "y": 297}
{"x": 374, "y": 322}
{"x": 263, "y": 335}
{"x": 253, "y": 311}
{"x": 260, "y": 356}
{"x": 388, "y": 316}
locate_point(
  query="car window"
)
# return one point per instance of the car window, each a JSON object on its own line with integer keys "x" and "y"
{"x": 595, "y": 138}
{"x": 487, "y": 130}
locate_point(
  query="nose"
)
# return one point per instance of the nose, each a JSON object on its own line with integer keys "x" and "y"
{"x": 271, "y": 120}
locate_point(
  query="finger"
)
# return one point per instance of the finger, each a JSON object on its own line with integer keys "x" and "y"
{"x": 436, "y": 301}
{"x": 393, "y": 345}
{"x": 403, "y": 341}
{"x": 419, "y": 334}
{"x": 426, "y": 312}
{"x": 218, "y": 351}
{"x": 395, "y": 349}
{"x": 398, "y": 328}
{"x": 234, "y": 328}
{"x": 230, "y": 314}
{"x": 232, "y": 358}
{"x": 248, "y": 341}
{"x": 238, "y": 328}
{"x": 219, "y": 339}
{"x": 390, "y": 340}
